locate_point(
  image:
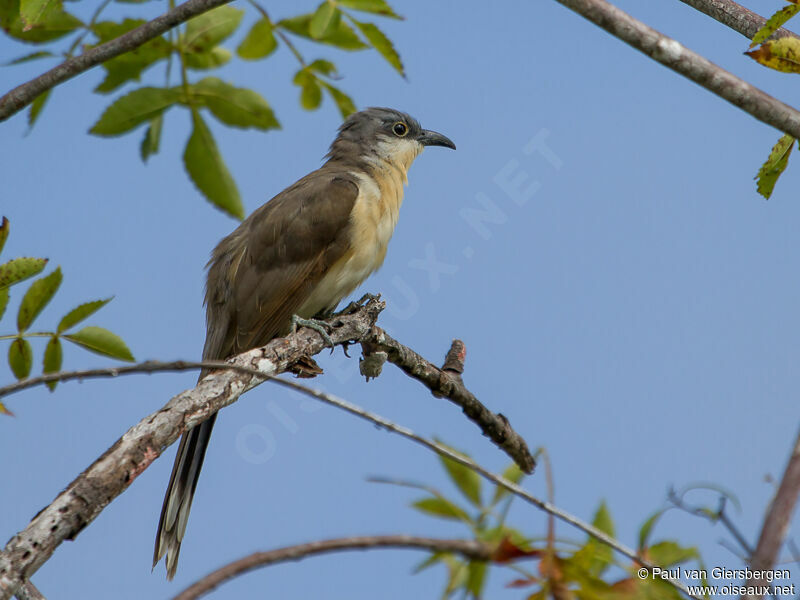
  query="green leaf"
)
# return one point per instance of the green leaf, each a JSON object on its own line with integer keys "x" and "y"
{"x": 152, "y": 138}
{"x": 668, "y": 553}
{"x": 325, "y": 20}
{"x": 36, "y": 298}
{"x": 36, "y": 107}
{"x": 130, "y": 65}
{"x": 33, "y": 12}
{"x": 208, "y": 171}
{"x": 343, "y": 102}
{"x": 79, "y": 313}
{"x": 514, "y": 474}
{"x": 28, "y": 57}
{"x": 20, "y": 358}
{"x": 101, "y": 341}
{"x": 382, "y": 44}
{"x": 311, "y": 95}
{"x": 647, "y": 528}
{"x": 133, "y": 109}
{"x": 441, "y": 507}
{"x": 378, "y": 7}
{"x": 324, "y": 67}
{"x": 19, "y": 269}
{"x": 428, "y": 562}
{"x": 5, "y": 227}
{"x": 773, "y": 167}
{"x": 239, "y": 107}
{"x": 595, "y": 557}
{"x": 260, "y": 41}
{"x": 342, "y": 36}
{"x": 466, "y": 480}
{"x": 52, "y": 359}
{"x": 774, "y": 23}
{"x": 476, "y": 577}
{"x": 54, "y": 23}
{"x": 3, "y": 301}
{"x": 208, "y": 59}
{"x": 209, "y": 29}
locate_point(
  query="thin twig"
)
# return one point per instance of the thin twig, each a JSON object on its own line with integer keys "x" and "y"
{"x": 446, "y": 383}
{"x": 150, "y": 366}
{"x": 691, "y": 65}
{"x": 737, "y": 17}
{"x": 483, "y": 472}
{"x": 24, "y": 94}
{"x": 778, "y": 517}
{"x": 441, "y": 382}
{"x": 111, "y": 474}
{"x": 470, "y": 549}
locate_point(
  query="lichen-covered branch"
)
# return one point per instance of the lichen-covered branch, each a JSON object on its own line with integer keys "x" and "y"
{"x": 470, "y": 549}
{"x": 83, "y": 499}
{"x": 691, "y": 65}
{"x": 110, "y": 475}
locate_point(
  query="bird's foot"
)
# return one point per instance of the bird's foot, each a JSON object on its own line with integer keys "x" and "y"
{"x": 321, "y": 327}
{"x": 356, "y": 304}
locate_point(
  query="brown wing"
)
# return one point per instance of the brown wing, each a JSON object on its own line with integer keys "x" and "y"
{"x": 259, "y": 276}
{"x": 263, "y": 272}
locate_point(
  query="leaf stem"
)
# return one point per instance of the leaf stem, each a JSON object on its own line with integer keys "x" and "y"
{"x": 89, "y": 26}
{"x": 14, "y": 336}
{"x": 284, "y": 38}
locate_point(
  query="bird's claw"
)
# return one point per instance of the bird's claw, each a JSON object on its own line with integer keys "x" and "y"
{"x": 321, "y": 327}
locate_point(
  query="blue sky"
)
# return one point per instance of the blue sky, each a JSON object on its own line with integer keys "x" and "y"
{"x": 635, "y": 313}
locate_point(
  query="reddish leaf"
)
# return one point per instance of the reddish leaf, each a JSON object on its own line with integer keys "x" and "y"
{"x": 507, "y": 551}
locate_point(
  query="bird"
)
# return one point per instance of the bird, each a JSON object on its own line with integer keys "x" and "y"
{"x": 295, "y": 258}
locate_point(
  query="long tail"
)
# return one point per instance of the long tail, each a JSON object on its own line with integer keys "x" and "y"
{"x": 180, "y": 491}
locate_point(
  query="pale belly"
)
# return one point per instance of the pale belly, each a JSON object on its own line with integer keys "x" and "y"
{"x": 372, "y": 223}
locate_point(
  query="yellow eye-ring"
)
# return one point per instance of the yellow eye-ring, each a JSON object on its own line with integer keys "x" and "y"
{"x": 400, "y": 129}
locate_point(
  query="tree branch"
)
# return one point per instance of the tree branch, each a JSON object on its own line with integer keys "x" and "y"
{"x": 483, "y": 472}
{"x": 84, "y": 499}
{"x": 443, "y": 383}
{"x": 691, "y": 65}
{"x": 22, "y": 95}
{"x": 737, "y": 17}
{"x": 110, "y": 475}
{"x": 28, "y": 591}
{"x": 778, "y": 517}
{"x": 446, "y": 383}
{"x": 471, "y": 549}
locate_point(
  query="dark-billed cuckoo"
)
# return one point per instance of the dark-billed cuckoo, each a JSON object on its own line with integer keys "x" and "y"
{"x": 297, "y": 257}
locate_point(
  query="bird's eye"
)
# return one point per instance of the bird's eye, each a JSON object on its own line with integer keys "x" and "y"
{"x": 399, "y": 129}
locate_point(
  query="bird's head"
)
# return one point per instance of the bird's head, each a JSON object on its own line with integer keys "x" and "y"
{"x": 384, "y": 135}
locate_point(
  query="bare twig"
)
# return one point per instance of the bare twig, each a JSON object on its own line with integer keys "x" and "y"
{"x": 720, "y": 515}
{"x": 483, "y": 472}
{"x": 446, "y": 383}
{"x": 778, "y": 517}
{"x": 110, "y": 475}
{"x": 471, "y": 549}
{"x": 84, "y": 499}
{"x": 691, "y": 65}
{"x": 24, "y": 94}
{"x": 150, "y": 366}
{"x": 737, "y": 17}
